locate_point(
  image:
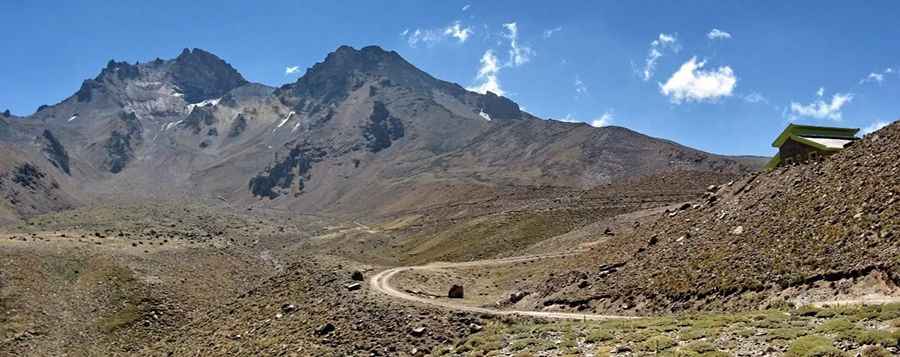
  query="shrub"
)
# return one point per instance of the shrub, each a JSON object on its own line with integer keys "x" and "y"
{"x": 700, "y": 347}
{"x": 657, "y": 343}
{"x": 873, "y": 337}
{"x": 813, "y": 346}
{"x": 598, "y": 336}
{"x": 836, "y": 326}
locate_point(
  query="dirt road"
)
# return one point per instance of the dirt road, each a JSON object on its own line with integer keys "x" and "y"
{"x": 382, "y": 282}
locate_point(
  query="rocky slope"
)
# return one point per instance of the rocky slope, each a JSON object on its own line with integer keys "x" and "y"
{"x": 362, "y": 131}
{"x": 818, "y": 231}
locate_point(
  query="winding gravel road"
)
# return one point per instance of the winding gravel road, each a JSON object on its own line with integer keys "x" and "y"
{"x": 382, "y": 282}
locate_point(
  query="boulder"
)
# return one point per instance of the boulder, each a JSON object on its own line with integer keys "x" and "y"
{"x": 325, "y": 329}
{"x": 417, "y": 332}
{"x": 456, "y": 292}
{"x": 517, "y": 296}
{"x": 357, "y": 275}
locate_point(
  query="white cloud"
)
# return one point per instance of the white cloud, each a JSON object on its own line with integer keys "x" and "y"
{"x": 291, "y": 70}
{"x": 580, "y": 87}
{"x": 430, "y": 37}
{"x": 875, "y": 126}
{"x": 717, "y": 34}
{"x": 755, "y": 97}
{"x": 549, "y": 32}
{"x": 487, "y": 74}
{"x": 460, "y": 33}
{"x": 464, "y": 8}
{"x": 820, "y": 92}
{"x": 417, "y": 36}
{"x": 876, "y": 77}
{"x": 664, "y": 41}
{"x": 820, "y": 109}
{"x": 873, "y": 77}
{"x": 604, "y": 120}
{"x": 692, "y": 83}
{"x": 518, "y": 54}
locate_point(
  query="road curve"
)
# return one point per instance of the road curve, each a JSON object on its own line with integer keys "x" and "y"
{"x": 382, "y": 282}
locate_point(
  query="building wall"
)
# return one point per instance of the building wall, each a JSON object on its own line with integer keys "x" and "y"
{"x": 793, "y": 152}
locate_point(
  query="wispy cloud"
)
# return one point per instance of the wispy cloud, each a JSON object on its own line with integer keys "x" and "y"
{"x": 716, "y": 34}
{"x": 464, "y": 8}
{"x": 820, "y": 92}
{"x": 291, "y": 70}
{"x": 661, "y": 43}
{"x": 820, "y": 109}
{"x": 877, "y": 77}
{"x": 606, "y": 119}
{"x": 458, "y": 31}
{"x": 692, "y": 83}
{"x": 518, "y": 54}
{"x": 755, "y": 97}
{"x": 549, "y": 32}
{"x": 430, "y": 37}
{"x": 873, "y": 77}
{"x": 875, "y": 127}
{"x": 580, "y": 87}
{"x": 487, "y": 75}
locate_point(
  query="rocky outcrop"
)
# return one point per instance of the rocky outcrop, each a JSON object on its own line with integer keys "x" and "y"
{"x": 382, "y": 128}
{"x": 121, "y": 144}
{"x": 201, "y": 75}
{"x": 238, "y": 126}
{"x": 55, "y": 152}
{"x": 279, "y": 177}
{"x": 198, "y": 119}
{"x": 499, "y": 107}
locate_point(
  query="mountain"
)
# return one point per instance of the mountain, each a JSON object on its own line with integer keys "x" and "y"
{"x": 362, "y": 131}
{"x": 799, "y": 234}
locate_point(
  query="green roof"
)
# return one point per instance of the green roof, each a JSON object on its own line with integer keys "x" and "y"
{"x": 814, "y": 131}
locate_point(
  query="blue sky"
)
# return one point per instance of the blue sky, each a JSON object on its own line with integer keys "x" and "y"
{"x": 731, "y": 91}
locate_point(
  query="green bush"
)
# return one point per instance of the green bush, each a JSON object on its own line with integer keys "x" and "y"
{"x": 598, "y": 335}
{"x": 813, "y": 346}
{"x": 657, "y": 344}
{"x": 873, "y": 337}
{"x": 700, "y": 347}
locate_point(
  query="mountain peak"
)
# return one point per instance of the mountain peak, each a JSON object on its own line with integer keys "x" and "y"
{"x": 332, "y": 78}
{"x": 202, "y": 75}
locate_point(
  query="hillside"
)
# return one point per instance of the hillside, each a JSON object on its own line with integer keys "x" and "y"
{"x": 819, "y": 231}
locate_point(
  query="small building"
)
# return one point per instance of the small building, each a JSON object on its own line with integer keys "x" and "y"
{"x": 799, "y": 143}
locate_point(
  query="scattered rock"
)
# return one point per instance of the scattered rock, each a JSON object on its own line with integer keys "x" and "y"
{"x": 357, "y": 275}
{"x": 517, "y": 296}
{"x": 417, "y": 332}
{"x": 288, "y": 308}
{"x": 456, "y": 292}
{"x": 738, "y": 230}
{"x": 325, "y": 329}
{"x": 353, "y": 286}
